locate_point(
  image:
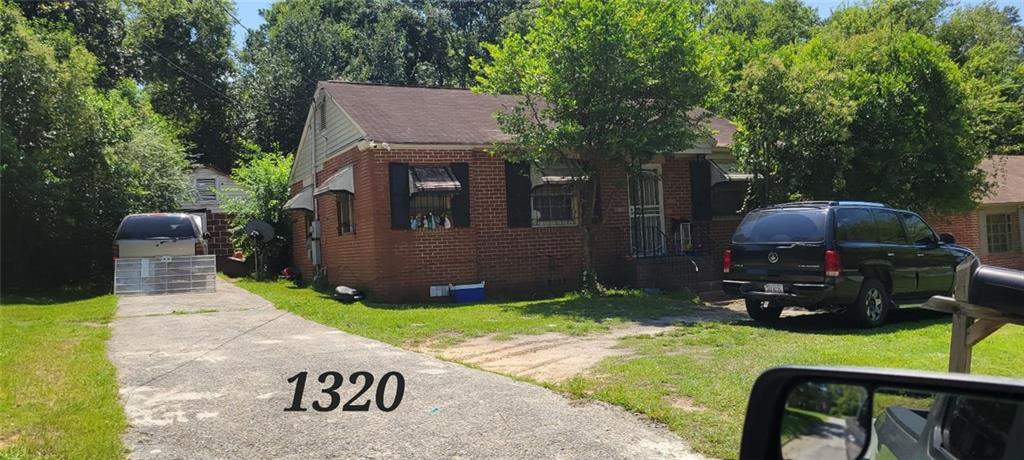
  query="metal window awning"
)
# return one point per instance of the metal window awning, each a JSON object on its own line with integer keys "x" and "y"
{"x": 341, "y": 181}
{"x": 303, "y": 201}
{"x": 553, "y": 175}
{"x": 727, "y": 172}
{"x": 432, "y": 179}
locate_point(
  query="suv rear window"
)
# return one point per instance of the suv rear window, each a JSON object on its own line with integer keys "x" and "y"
{"x": 782, "y": 226}
{"x": 156, "y": 226}
{"x": 854, "y": 224}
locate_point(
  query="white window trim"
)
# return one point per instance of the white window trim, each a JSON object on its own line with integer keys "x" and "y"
{"x": 983, "y": 214}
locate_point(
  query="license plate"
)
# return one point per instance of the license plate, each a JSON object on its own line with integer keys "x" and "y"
{"x": 774, "y": 288}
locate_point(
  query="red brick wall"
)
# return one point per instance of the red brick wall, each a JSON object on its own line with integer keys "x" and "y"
{"x": 400, "y": 265}
{"x": 966, "y": 228}
{"x": 218, "y": 225}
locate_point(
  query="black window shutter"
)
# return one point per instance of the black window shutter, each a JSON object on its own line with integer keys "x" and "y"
{"x": 700, "y": 189}
{"x": 399, "y": 195}
{"x": 517, "y": 193}
{"x": 460, "y": 202}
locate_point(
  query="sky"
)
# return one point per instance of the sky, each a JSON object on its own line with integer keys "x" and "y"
{"x": 248, "y": 12}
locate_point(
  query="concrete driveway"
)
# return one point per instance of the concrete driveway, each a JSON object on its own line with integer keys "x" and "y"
{"x": 198, "y": 383}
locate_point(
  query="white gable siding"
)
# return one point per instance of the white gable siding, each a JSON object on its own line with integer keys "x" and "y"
{"x": 339, "y": 133}
{"x": 205, "y": 175}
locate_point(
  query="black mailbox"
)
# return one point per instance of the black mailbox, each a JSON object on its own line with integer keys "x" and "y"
{"x": 998, "y": 288}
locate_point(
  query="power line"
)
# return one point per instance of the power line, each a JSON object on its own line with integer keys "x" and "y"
{"x": 228, "y": 11}
{"x": 187, "y": 73}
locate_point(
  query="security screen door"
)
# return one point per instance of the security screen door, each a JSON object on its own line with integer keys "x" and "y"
{"x": 646, "y": 213}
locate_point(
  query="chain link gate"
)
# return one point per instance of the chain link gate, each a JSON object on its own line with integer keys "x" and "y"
{"x": 165, "y": 275}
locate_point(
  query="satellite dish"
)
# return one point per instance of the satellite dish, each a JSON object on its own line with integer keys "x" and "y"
{"x": 259, "y": 230}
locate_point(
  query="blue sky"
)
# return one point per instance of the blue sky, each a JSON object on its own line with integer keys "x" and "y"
{"x": 248, "y": 11}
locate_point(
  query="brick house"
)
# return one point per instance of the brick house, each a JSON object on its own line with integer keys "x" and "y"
{"x": 206, "y": 203}
{"x": 995, "y": 229}
{"x": 393, "y": 192}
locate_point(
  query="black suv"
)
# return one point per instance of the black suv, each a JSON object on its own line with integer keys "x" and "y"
{"x": 848, "y": 256}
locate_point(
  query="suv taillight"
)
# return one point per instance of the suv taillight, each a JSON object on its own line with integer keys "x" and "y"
{"x": 199, "y": 248}
{"x": 726, "y": 260}
{"x": 116, "y": 251}
{"x": 833, "y": 265}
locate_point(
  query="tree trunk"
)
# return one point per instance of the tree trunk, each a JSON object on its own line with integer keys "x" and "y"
{"x": 588, "y": 196}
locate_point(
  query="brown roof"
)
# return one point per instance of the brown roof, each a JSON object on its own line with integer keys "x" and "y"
{"x": 1008, "y": 172}
{"x": 420, "y": 115}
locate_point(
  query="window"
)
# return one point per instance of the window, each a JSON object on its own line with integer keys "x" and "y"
{"x": 346, "y": 224}
{"x": 918, "y": 231}
{"x": 727, "y": 198}
{"x": 855, "y": 225}
{"x": 429, "y": 197}
{"x": 206, "y": 189}
{"x": 1002, "y": 232}
{"x": 156, "y": 226}
{"x": 685, "y": 233}
{"x": 979, "y": 428}
{"x": 782, "y": 226}
{"x": 890, "y": 230}
{"x": 553, "y": 205}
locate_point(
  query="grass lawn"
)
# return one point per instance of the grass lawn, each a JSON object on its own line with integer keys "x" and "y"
{"x": 58, "y": 391}
{"x": 445, "y": 324}
{"x": 696, "y": 379}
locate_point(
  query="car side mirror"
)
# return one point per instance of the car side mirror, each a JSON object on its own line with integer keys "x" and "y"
{"x": 946, "y": 238}
{"x": 848, "y": 413}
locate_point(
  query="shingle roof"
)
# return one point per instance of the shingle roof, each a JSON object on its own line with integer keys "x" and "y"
{"x": 420, "y": 115}
{"x": 1008, "y": 172}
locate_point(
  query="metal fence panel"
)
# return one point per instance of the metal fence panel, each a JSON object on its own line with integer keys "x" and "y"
{"x": 165, "y": 275}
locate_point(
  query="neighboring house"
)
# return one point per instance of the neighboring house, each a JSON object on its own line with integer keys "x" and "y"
{"x": 206, "y": 182}
{"x": 393, "y": 192}
{"x": 995, "y": 229}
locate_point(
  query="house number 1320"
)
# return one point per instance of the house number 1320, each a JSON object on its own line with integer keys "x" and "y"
{"x": 333, "y": 381}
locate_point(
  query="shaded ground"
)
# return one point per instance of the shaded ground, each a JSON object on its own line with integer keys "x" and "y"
{"x": 556, "y": 357}
{"x": 213, "y": 384}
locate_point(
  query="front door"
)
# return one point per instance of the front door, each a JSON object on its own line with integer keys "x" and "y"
{"x": 646, "y": 213}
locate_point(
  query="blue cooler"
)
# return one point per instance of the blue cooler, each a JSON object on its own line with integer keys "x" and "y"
{"x": 465, "y": 293}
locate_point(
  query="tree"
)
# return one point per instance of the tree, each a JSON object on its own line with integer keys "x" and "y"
{"x": 892, "y": 123}
{"x": 263, "y": 180}
{"x": 305, "y": 41}
{"x": 608, "y": 83}
{"x": 186, "y": 67}
{"x": 99, "y": 24}
{"x": 74, "y": 158}
{"x": 988, "y": 44}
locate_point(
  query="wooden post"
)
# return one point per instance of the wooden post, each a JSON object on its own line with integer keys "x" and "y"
{"x": 959, "y": 347}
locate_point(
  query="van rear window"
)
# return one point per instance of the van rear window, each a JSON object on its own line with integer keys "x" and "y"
{"x": 782, "y": 226}
{"x": 156, "y": 226}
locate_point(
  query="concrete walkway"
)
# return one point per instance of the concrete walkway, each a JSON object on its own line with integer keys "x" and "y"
{"x": 198, "y": 383}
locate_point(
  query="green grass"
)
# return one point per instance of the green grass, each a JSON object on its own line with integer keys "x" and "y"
{"x": 445, "y": 324}
{"x": 798, "y": 422}
{"x": 58, "y": 391}
{"x": 714, "y": 365}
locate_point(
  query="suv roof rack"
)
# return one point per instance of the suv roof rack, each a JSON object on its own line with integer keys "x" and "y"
{"x": 824, "y": 204}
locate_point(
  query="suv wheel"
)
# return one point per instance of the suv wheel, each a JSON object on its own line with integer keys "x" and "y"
{"x": 872, "y": 306}
{"x": 763, "y": 310}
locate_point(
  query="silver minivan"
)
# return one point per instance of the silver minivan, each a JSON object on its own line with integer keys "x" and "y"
{"x": 159, "y": 234}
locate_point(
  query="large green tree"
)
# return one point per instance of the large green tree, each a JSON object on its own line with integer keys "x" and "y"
{"x": 74, "y": 158}
{"x": 186, "y": 66}
{"x": 606, "y": 83}
{"x": 306, "y": 41}
{"x": 879, "y": 116}
{"x": 988, "y": 44}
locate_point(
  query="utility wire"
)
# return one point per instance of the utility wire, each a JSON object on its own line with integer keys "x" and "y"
{"x": 228, "y": 11}
{"x": 187, "y": 73}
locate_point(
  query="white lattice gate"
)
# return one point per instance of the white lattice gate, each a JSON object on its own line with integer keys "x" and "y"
{"x": 165, "y": 275}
